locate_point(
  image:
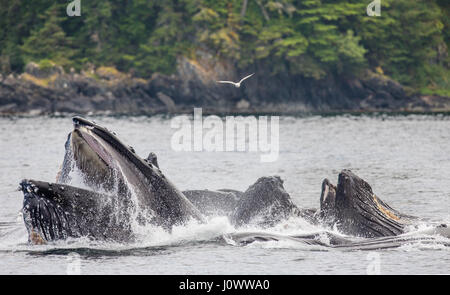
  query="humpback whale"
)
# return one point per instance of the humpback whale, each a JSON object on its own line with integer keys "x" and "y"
{"x": 118, "y": 177}
{"x": 356, "y": 210}
{"x": 221, "y": 202}
{"x": 263, "y": 204}
{"x": 123, "y": 189}
{"x": 351, "y": 206}
{"x": 266, "y": 203}
{"x": 55, "y": 211}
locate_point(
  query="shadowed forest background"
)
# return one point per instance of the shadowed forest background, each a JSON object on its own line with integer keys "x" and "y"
{"x": 409, "y": 42}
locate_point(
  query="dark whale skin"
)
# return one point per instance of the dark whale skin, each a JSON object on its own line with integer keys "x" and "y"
{"x": 264, "y": 203}
{"x": 357, "y": 211}
{"x": 156, "y": 193}
{"x": 55, "y": 212}
{"x": 214, "y": 203}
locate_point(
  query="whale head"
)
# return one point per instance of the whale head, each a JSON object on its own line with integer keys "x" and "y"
{"x": 54, "y": 211}
{"x": 107, "y": 163}
{"x": 356, "y": 210}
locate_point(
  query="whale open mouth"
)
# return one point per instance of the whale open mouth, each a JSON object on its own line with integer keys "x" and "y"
{"x": 82, "y": 138}
{"x": 106, "y": 161}
{"x": 328, "y": 202}
{"x": 101, "y": 145}
{"x": 356, "y": 210}
{"x": 86, "y": 143}
{"x": 129, "y": 174}
{"x": 100, "y": 156}
{"x": 328, "y": 196}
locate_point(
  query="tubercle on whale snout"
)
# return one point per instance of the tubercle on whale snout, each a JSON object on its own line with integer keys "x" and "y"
{"x": 80, "y": 121}
{"x": 44, "y": 219}
{"x": 54, "y": 211}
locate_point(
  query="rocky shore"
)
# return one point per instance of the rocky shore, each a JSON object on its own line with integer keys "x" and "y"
{"x": 108, "y": 91}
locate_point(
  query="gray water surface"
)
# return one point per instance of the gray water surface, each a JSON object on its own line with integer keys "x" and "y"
{"x": 406, "y": 160}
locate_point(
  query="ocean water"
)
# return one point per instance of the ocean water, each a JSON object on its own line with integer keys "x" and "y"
{"x": 405, "y": 158}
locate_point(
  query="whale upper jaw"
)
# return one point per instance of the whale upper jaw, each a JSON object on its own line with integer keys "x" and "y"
{"x": 327, "y": 196}
{"x": 104, "y": 160}
{"x": 102, "y": 141}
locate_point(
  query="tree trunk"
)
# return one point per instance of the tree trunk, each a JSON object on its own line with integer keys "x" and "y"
{"x": 263, "y": 10}
{"x": 244, "y": 8}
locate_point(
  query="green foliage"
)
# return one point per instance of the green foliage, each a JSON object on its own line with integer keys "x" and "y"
{"x": 45, "y": 64}
{"x": 404, "y": 42}
{"x": 436, "y": 80}
{"x": 311, "y": 38}
{"x": 17, "y": 18}
{"x": 49, "y": 41}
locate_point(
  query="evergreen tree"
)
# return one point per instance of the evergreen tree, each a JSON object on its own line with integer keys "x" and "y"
{"x": 311, "y": 38}
{"x": 50, "y": 41}
{"x": 404, "y": 40}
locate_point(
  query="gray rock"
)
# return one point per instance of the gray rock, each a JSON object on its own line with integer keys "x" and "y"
{"x": 167, "y": 101}
{"x": 242, "y": 104}
{"x": 194, "y": 84}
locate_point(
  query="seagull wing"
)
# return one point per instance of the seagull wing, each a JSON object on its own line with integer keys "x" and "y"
{"x": 227, "y": 82}
{"x": 246, "y": 77}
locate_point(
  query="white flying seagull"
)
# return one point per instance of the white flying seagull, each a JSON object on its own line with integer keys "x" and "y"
{"x": 236, "y": 84}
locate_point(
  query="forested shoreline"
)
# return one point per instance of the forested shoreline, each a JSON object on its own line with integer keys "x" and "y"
{"x": 313, "y": 43}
